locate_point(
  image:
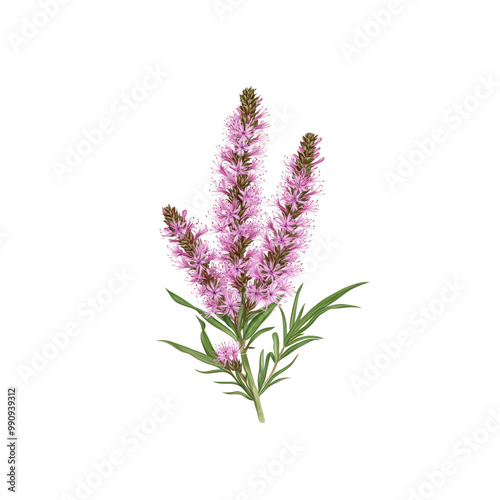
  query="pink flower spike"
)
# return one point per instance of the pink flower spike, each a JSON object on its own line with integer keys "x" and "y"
{"x": 257, "y": 255}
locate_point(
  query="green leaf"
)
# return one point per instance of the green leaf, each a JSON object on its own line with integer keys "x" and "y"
{"x": 239, "y": 394}
{"x": 241, "y": 314}
{"x": 201, "y": 322}
{"x": 258, "y": 320}
{"x": 221, "y": 327}
{"x": 181, "y": 301}
{"x": 276, "y": 345}
{"x": 205, "y": 340}
{"x": 339, "y": 306}
{"x": 275, "y": 382}
{"x": 300, "y": 313}
{"x": 295, "y": 304}
{"x": 297, "y": 346}
{"x": 226, "y": 382}
{"x": 313, "y": 319}
{"x": 303, "y": 337}
{"x": 262, "y": 375}
{"x": 210, "y": 319}
{"x": 283, "y": 320}
{"x": 253, "y": 313}
{"x": 258, "y": 334}
{"x": 330, "y": 299}
{"x": 207, "y": 345}
{"x": 198, "y": 355}
{"x": 320, "y": 307}
{"x": 263, "y": 367}
{"x": 279, "y": 372}
{"x": 211, "y": 371}
{"x": 243, "y": 385}
{"x": 228, "y": 321}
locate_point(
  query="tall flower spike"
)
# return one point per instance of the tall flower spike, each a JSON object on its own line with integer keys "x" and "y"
{"x": 191, "y": 253}
{"x": 237, "y": 213}
{"x": 288, "y": 232}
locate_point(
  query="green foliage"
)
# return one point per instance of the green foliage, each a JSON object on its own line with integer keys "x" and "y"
{"x": 257, "y": 320}
{"x": 258, "y": 334}
{"x": 293, "y": 333}
{"x": 247, "y": 329}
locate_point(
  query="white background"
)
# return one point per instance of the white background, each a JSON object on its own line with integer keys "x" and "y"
{"x": 62, "y": 238}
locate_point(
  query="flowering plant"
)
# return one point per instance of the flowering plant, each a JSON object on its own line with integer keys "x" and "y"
{"x": 250, "y": 271}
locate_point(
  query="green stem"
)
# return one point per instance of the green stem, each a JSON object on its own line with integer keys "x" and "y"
{"x": 253, "y": 387}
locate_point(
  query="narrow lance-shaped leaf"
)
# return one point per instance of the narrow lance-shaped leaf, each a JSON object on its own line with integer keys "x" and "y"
{"x": 313, "y": 319}
{"x": 229, "y": 322}
{"x": 300, "y": 312}
{"x": 319, "y": 307}
{"x": 265, "y": 367}
{"x": 274, "y": 382}
{"x": 283, "y": 320}
{"x": 220, "y": 327}
{"x": 261, "y": 375}
{"x": 241, "y": 315}
{"x": 295, "y": 304}
{"x": 198, "y": 355}
{"x": 330, "y": 299}
{"x": 211, "y": 371}
{"x": 296, "y": 346}
{"x": 303, "y": 337}
{"x": 234, "y": 393}
{"x": 243, "y": 385}
{"x": 279, "y": 372}
{"x": 182, "y": 302}
{"x": 258, "y": 320}
{"x": 205, "y": 341}
{"x": 209, "y": 319}
{"x": 276, "y": 345}
{"x": 258, "y": 334}
{"x": 207, "y": 345}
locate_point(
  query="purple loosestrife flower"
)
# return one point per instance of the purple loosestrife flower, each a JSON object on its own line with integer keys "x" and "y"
{"x": 237, "y": 213}
{"x": 191, "y": 253}
{"x": 288, "y": 232}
